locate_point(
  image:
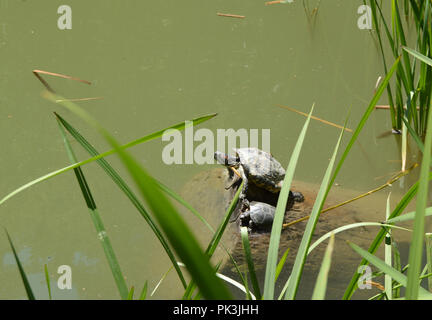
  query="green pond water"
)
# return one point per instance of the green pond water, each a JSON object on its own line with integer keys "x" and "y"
{"x": 157, "y": 63}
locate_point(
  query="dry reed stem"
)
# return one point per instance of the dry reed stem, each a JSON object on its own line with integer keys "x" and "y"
{"x": 273, "y": 2}
{"x": 315, "y": 118}
{"x": 230, "y": 15}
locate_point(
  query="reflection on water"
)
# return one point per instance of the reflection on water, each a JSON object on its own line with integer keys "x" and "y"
{"x": 156, "y": 64}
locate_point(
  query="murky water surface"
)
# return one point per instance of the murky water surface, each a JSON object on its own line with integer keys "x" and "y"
{"x": 157, "y": 63}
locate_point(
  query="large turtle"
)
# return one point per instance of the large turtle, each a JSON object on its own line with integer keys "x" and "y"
{"x": 256, "y": 166}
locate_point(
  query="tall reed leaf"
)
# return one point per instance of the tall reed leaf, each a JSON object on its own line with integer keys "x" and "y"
{"x": 216, "y": 239}
{"x": 24, "y": 279}
{"x": 251, "y": 268}
{"x": 126, "y": 190}
{"x": 47, "y": 281}
{"x": 176, "y": 230}
{"x": 363, "y": 120}
{"x": 272, "y": 256}
{"x": 321, "y": 282}
{"x": 416, "y": 248}
{"x": 384, "y": 267}
{"x": 97, "y": 221}
{"x": 179, "y": 126}
{"x": 403, "y": 203}
{"x": 297, "y": 270}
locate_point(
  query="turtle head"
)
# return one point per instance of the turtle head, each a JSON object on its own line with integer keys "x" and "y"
{"x": 226, "y": 159}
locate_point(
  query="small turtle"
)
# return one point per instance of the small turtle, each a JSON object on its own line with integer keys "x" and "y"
{"x": 257, "y": 166}
{"x": 259, "y": 217}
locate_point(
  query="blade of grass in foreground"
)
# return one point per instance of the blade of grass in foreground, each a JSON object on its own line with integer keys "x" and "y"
{"x": 272, "y": 255}
{"x": 281, "y": 264}
{"x": 178, "y": 233}
{"x": 127, "y": 191}
{"x": 403, "y": 203}
{"x": 216, "y": 239}
{"x": 416, "y": 248}
{"x": 143, "y": 292}
{"x": 47, "y": 280}
{"x": 388, "y": 255}
{"x": 179, "y": 126}
{"x": 321, "y": 282}
{"x": 97, "y": 221}
{"x": 297, "y": 270}
{"x": 396, "y": 275}
{"x": 24, "y": 279}
{"x": 363, "y": 120}
{"x": 251, "y": 268}
{"x": 354, "y": 136}
{"x": 131, "y": 293}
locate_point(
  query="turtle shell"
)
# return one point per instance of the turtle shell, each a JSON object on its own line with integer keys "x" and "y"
{"x": 261, "y": 168}
{"x": 261, "y": 214}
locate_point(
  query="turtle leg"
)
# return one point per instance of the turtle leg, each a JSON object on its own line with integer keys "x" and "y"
{"x": 236, "y": 173}
{"x": 244, "y": 202}
{"x": 236, "y": 179}
{"x": 298, "y": 196}
{"x": 245, "y": 219}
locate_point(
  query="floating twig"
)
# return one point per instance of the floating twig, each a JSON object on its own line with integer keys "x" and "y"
{"x": 387, "y": 184}
{"x": 230, "y": 15}
{"x": 38, "y": 73}
{"x": 278, "y": 1}
{"x": 274, "y": 2}
{"x": 377, "y": 285}
{"x": 79, "y": 99}
{"x": 315, "y": 118}
{"x": 386, "y": 107}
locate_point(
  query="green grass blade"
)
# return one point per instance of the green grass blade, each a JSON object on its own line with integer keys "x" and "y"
{"x": 160, "y": 281}
{"x": 388, "y": 255}
{"x": 251, "y": 268}
{"x": 415, "y": 255}
{"x": 176, "y": 230}
{"x": 403, "y": 203}
{"x": 428, "y": 242}
{"x": 131, "y": 293}
{"x": 221, "y": 229}
{"x": 414, "y": 135}
{"x": 143, "y": 291}
{"x": 216, "y": 239}
{"x": 399, "y": 277}
{"x": 352, "y": 226}
{"x": 408, "y": 216}
{"x": 418, "y": 55}
{"x": 97, "y": 221}
{"x": 146, "y": 138}
{"x": 118, "y": 180}
{"x": 23, "y": 275}
{"x": 321, "y": 282}
{"x": 310, "y": 227}
{"x": 363, "y": 120}
{"x": 401, "y": 34}
{"x": 272, "y": 256}
{"x": 47, "y": 281}
{"x": 281, "y": 264}
{"x": 397, "y": 265}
